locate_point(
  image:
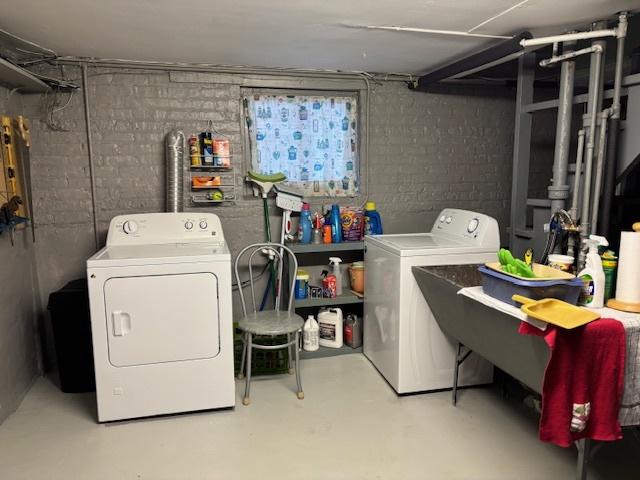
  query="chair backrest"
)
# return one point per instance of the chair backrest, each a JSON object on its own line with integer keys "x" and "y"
{"x": 277, "y": 254}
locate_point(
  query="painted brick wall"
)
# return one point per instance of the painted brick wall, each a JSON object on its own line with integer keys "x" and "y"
{"x": 18, "y": 352}
{"x": 427, "y": 152}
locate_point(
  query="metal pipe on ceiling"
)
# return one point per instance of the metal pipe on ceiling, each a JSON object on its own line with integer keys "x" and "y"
{"x": 227, "y": 69}
{"x": 567, "y": 37}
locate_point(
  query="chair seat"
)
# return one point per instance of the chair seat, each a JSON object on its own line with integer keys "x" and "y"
{"x": 271, "y": 322}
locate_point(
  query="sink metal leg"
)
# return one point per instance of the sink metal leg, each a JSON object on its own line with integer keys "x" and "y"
{"x": 584, "y": 447}
{"x": 459, "y": 359}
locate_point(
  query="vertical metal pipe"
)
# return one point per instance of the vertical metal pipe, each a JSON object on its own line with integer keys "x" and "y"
{"x": 608, "y": 191}
{"x": 599, "y": 170}
{"x": 594, "y": 107}
{"x": 559, "y": 190}
{"x": 591, "y": 140}
{"x": 92, "y": 175}
{"x": 576, "y": 178}
{"x": 573, "y": 212}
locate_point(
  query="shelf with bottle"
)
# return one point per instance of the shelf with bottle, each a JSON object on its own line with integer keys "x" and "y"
{"x": 214, "y": 195}
{"x": 345, "y": 299}
{"x": 198, "y": 169}
{"x": 325, "y": 247}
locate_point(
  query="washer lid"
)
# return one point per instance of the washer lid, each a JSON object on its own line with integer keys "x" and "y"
{"x": 125, "y": 255}
{"x": 416, "y": 244}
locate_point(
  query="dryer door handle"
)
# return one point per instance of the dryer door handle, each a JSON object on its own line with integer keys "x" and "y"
{"x": 121, "y": 323}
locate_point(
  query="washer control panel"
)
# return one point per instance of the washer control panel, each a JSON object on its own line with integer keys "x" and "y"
{"x": 164, "y": 228}
{"x": 481, "y": 229}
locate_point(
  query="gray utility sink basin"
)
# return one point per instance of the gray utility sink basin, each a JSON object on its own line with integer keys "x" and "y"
{"x": 488, "y": 332}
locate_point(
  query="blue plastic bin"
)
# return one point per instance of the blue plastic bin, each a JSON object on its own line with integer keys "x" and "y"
{"x": 503, "y": 287}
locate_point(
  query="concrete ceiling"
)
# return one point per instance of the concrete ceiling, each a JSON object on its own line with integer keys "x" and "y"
{"x": 325, "y": 34}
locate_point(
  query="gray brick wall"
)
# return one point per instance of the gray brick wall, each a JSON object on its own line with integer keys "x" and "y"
{"x": 427, "y": 152}
{"x": 18, "y": 352}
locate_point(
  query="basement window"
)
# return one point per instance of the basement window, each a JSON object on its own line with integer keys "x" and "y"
{"x": 312, "y": 139}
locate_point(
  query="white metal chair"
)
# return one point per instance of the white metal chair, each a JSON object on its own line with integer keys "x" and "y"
{"x": 274, "y": 322}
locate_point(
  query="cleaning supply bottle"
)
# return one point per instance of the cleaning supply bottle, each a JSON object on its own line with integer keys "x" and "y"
{"x": 372, "y": 220}
{"x": 317, "y": 232}
{"x": 335, "y": 264}
{"x": 310, "y": 335}
{"x": 336, "y": 224}
{"x": 592, "y": 294}
{"x": 331, "y": 327}
{"x": 304, "y": 226}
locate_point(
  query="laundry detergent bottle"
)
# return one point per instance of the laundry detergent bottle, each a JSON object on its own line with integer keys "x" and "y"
{"x": 372, "y": 220}
{"x": 592, "y": 276}
{"x": 304, "y": 226}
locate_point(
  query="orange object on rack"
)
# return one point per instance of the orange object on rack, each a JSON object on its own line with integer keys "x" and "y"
{"x": 203, "y": 182}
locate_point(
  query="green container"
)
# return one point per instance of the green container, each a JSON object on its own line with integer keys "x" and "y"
{"x": 610, "y": 267}
{"x": 263, "y": 362}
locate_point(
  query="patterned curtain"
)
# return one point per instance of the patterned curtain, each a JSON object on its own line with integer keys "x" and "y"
{"x": 311, "y": 139}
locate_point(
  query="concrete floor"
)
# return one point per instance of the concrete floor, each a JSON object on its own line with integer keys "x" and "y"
{"x": 350, "y": 426}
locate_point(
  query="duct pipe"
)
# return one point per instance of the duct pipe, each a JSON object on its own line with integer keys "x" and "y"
{"x": 559, "y": 190}
{"x": 174, "y": 143}
{"x": 609, "y": 186}
{"x": 599, "y": 170}
{"x": 92, "y": 173}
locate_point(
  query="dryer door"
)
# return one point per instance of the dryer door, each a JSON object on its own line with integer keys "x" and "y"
{"x": 162, "y": 318}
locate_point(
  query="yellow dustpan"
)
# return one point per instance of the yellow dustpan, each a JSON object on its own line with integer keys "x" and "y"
{"x": 556, "y": 312}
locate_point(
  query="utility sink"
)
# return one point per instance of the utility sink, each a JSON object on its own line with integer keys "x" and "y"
{"x": 488, "y": 332}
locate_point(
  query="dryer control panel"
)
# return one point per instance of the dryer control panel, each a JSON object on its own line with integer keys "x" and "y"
{"x": 165, "y": 228}
{"x": 481, "y": 229}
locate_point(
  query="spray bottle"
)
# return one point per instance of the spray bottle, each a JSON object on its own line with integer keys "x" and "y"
{"x": 592, "y": 294}
{"x": 335, "y": 264}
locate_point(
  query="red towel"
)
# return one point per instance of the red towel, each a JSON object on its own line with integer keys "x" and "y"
{"x": 583, "y": 381}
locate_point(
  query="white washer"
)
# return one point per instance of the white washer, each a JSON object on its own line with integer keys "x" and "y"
{"x": 401, "y": 336}
{"x": 161, "y": 320}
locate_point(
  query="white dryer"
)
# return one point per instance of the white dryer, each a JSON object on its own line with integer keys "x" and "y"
{"x": 161, "y": 320}
{"x": 401, "y": 336}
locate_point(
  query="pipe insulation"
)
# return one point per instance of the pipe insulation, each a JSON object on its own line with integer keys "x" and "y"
{"x": 92, "y": 170}
{"x": 174, "y": 143}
